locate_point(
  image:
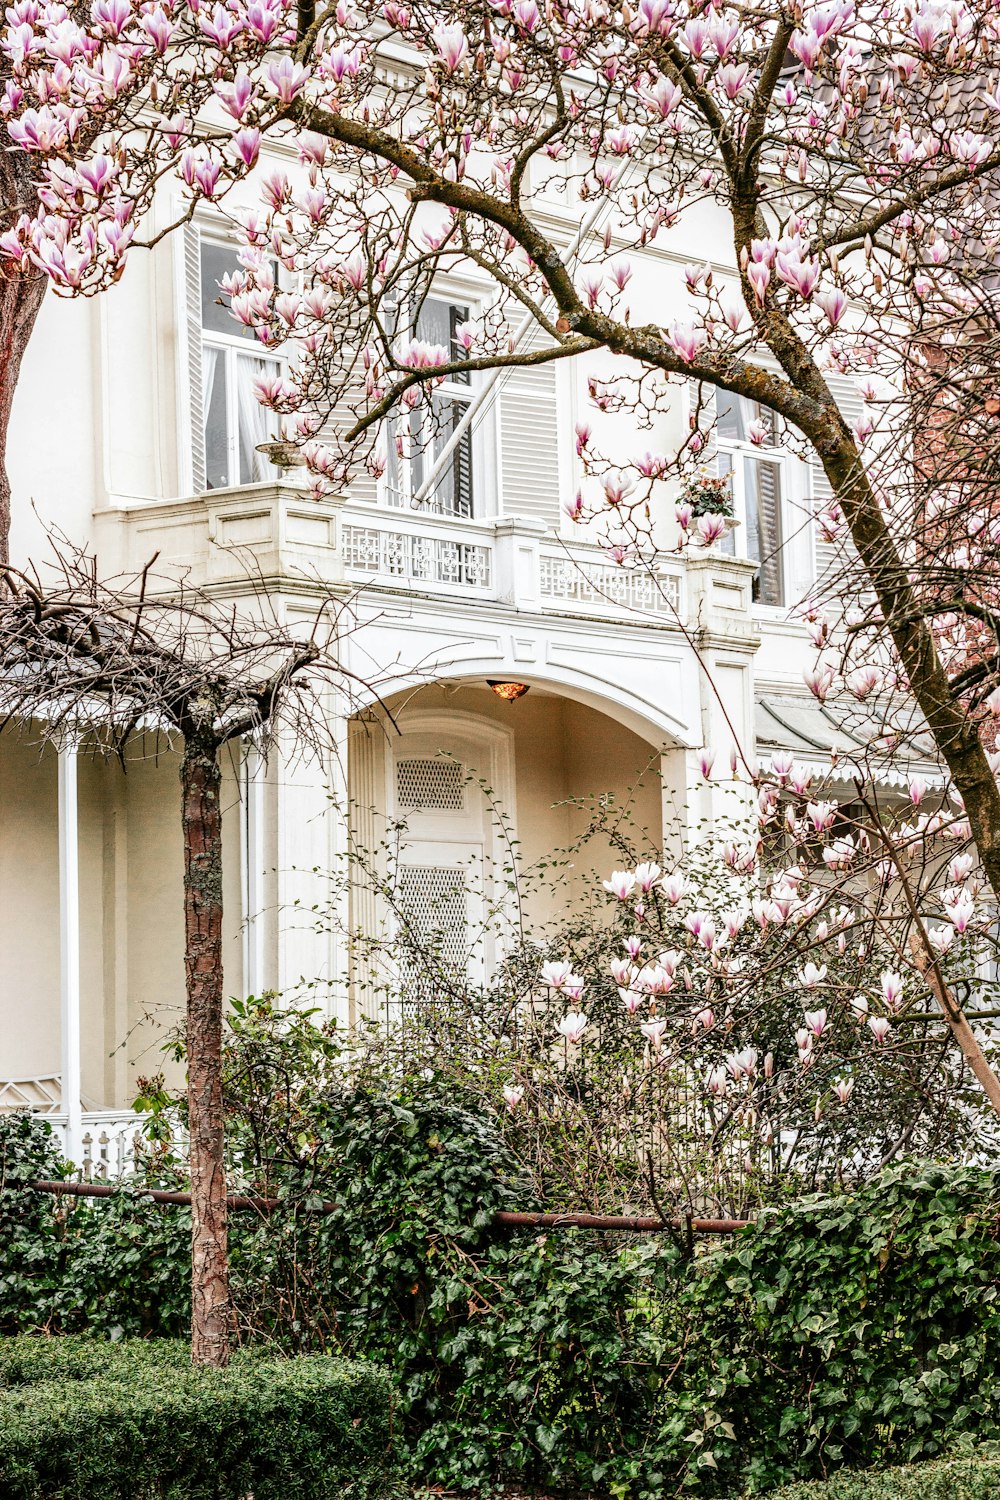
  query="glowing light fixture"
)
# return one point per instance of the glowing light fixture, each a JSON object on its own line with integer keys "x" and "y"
{"x": 508, "y": 691}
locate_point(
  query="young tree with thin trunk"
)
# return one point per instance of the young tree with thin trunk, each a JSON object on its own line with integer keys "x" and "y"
{"x": 117, "y": 658}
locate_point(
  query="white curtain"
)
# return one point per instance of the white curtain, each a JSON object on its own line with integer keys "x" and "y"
{"x": 254, "y": 420}
{"x": 209, "y": 365}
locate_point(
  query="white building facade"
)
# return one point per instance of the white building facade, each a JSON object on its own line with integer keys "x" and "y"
{"x": 135, "y": 431}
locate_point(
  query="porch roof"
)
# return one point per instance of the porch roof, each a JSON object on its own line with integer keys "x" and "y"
{"x": 826, "y": 735}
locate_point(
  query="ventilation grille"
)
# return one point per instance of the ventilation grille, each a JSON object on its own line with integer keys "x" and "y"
{"x": 432, "y": 899}
{"x": 430, "y": 785}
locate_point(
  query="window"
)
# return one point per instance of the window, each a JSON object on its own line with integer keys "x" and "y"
{"x": 234, "y": 421}
{"x": 756, "y": 478}
{"x": 431, "y": 429}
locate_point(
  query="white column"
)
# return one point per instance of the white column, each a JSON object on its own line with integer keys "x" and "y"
{"x": 69, "y": 948}
{"x": 252, "y": 850}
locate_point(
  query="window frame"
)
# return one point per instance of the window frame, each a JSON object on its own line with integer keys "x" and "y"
{"x": 398, "y": 493}
{"x": 741, "y": 450}
{"x": 230, "y": 346}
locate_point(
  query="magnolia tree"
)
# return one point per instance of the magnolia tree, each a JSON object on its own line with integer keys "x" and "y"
{"x": 783, "y": 994}
{"x": 765, "y": 1019}
{"x": 843, "y": 155}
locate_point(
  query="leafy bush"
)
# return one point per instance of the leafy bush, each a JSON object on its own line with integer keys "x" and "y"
{"x": 972, "y": 1478}
{"x": 843, "y": 1331}
{"x": 120, "y": 1267}
{"x": 147, "y": 1425}
{"x": 854, "y": 1330}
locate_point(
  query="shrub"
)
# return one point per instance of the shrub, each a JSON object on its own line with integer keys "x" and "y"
{"x": 971, "y": 1478}
{"x": 853, "y": 1330}
{"x": 149, "y": 1425}
{"x": 119, "y": 1267}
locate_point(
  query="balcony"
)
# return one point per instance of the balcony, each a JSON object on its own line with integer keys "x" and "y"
{"x": 274, "y": 531}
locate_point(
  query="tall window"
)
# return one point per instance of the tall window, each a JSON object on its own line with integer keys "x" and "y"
{"x": 430, "y": 430}
{"x": 231, "y": 361}
{"x": 755, "y": 471}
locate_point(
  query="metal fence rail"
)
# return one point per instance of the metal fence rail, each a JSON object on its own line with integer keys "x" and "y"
{"x": 635, "y": 1224}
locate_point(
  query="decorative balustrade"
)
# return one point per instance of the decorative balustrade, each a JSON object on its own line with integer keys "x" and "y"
{"x": 111, "y": 1142}
{"x": 573, "y": 580}
{"x": 506, "y": 559}
{"x": 396, "y": 555}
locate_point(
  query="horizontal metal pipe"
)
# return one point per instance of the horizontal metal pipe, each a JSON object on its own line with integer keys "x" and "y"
{"x": 635, "y": 1223}
{"x": 160, "y": 1195}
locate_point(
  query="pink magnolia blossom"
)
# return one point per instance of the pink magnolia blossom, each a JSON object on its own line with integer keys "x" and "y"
{"x": 572, "y": 1026}
{"x": 880, "y": 1028}
{"x": 555, "y": 974}
{"x": 621, "y": 885}
{"x": 816, "y": 1021}
{"x": 687, "y": 341}
{"x": 653, "y": 1030}
{"x": 452, "y": 46}
{"x": 512, "y": 1096}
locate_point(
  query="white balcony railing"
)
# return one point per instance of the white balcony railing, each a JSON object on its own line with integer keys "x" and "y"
{"x": 401, "y": 554}
{"x": 507, "y": 559}
{"x": 576, "y": 579}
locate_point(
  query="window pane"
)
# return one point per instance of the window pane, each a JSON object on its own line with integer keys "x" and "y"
{"x": 218, "y": 261}
{"x": 735, "y": 413}
{"x": 729, "y": 416}
{"x": 762, "y": 490}
{"x": 724, "y": 464}
{"x": 215, "y": 405}
{"x": 437, "y": 323}
{"x": 255, "y": 423}
{"x": 453, "y": 490}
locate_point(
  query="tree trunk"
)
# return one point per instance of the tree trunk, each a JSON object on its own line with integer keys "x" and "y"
{"x": 21, "y": 295}
{"x": 202, "y": 824}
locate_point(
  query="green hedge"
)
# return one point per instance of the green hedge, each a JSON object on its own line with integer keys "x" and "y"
{"x": 973, "y": 1478}
{"x": 132, "y": 1421}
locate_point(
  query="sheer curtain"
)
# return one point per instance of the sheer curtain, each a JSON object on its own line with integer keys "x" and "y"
{"x": 253, "y": 419}
{"x": 213, "y": 413}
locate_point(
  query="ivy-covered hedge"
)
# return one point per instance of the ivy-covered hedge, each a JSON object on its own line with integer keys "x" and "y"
{"x": 968, "y": 1478}
{"x": 134, "y": 1421}
{"x": 854, "y": 1330}
{"x": 842, "y": 1332}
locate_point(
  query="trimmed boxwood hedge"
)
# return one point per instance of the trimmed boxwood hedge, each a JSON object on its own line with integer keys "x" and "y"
{"x": 81, "y": 1419}
{"x": 976, "y": 1477}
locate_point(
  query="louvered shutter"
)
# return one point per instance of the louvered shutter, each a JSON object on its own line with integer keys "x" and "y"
{"x": 361, "y": 484}
{"x": 770, "y": 540}
{"x": 192, "y": 312}
{"x": 832, "y": 556}
{"x": 529, "y": 441}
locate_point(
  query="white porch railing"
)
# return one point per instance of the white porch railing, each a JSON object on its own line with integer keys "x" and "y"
{"x": 111, "y": 1141}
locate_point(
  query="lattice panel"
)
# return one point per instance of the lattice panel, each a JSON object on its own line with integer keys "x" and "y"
{"x": 564, "y": 580}
{"x": 430, "y": 785}
{"x": 434, "y": 902}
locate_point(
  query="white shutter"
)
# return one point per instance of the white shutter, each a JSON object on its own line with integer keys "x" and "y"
{"x": 832, "y": 556}
{"x": 361, "y": 484}
{"x": 192, "y": 311}
{"x": 529, "y": 441}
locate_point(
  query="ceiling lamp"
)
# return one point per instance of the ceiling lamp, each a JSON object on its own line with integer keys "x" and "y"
{"x": 508, "y": 691}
